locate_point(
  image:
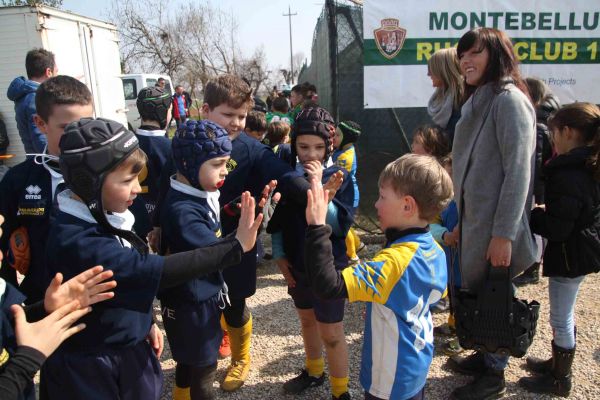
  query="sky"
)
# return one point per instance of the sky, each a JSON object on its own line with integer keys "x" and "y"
{"x": 260, "y": 22}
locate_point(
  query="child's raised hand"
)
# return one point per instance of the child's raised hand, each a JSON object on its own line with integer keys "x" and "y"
{"x": 316, "y": 207}
{"x": 333, "y": 184}
{"x": 248, "y": 225}
{"x": 87, "y": 288}
{"x": 314, "y": 169}
{"x": 266, "y": 193}
{"x": 47, "y": 334}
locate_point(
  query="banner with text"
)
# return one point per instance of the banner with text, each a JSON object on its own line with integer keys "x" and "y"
{"x": 556, "y": 41}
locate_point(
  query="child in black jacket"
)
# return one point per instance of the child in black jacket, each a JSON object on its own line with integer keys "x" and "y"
{"x": 570, "y": 221}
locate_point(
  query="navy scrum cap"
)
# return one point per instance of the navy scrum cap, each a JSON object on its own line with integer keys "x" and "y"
{"x": 89, "y": 150}
{"x": 196, "y": 142}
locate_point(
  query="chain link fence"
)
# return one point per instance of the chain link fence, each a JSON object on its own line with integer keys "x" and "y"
{"x": 337, "y": 70}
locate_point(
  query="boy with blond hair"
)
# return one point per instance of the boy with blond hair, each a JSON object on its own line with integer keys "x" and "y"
{"x": 399, "y": 284}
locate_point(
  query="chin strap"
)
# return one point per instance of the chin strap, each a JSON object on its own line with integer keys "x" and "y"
{"x": 96, "y": 209}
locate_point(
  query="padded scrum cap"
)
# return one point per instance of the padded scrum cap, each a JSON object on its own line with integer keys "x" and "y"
{"x": 196, "y": 142}
{"x": 314, "y": 121}
{"x": 153, "y": 104}
{"x": 89, "y": 150}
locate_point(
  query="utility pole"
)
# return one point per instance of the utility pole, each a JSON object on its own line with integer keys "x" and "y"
{"x": 290, "y": 15}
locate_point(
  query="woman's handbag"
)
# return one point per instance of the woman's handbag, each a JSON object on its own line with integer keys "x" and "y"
{"x": 493, "y": 320}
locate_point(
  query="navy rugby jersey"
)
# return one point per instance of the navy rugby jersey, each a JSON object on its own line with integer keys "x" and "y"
{"x": 158, "y": 150}
{"x": 251, "y": 166}
{"x": 26, "y": 199}
{"x": 290, "y": 220}
{"x": 189, "y": 220}
{"x": 77, "y": 242}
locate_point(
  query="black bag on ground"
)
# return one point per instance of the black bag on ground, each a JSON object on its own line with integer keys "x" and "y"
{"x": 493, "y": 320}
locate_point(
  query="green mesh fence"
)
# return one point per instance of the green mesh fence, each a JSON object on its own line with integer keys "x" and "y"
{"x": 387, "y": 133}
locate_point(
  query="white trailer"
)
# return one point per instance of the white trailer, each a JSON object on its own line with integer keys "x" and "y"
{"x": 85, "y": 48}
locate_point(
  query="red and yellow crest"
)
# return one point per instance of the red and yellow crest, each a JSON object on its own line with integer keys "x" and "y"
{"x": 390, "y": 37}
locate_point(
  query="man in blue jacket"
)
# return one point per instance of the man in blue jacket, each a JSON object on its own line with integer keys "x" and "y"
{"x": 40, "y": 66}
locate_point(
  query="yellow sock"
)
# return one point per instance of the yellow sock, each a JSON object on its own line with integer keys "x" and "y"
{"x": 223, "y": 323}
{"x": 451, "y": 321}
{"x": 351, "y": 246}
{"x": 181, "y": 393}
{"x": 339, "y": 386}
{"x": 315, "y": 367}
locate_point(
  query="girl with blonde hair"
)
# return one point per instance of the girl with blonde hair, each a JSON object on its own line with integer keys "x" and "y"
{"x": 445, "y": 103}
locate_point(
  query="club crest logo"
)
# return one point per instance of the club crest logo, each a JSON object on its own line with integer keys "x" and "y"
{"x": 390, "y": 37}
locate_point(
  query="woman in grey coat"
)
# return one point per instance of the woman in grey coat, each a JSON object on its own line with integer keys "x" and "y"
{"x": 493, "y": 164}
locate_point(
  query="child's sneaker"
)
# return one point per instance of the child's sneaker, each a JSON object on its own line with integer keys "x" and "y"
{"x": 225, "y": 348}
{"x": 302, "y": 382}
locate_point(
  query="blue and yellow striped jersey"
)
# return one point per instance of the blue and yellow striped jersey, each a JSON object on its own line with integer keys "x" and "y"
{"x": 400, "y": 284}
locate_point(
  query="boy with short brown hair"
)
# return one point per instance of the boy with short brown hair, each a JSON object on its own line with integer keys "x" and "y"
{"x": 29, "y": 189}
{"x": 399, "y": 283}
{"x": 227, "y": 101}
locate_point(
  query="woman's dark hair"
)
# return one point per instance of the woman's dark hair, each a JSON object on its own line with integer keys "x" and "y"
{"x": 502, "y": 62}
{"x": 585, "y": 119}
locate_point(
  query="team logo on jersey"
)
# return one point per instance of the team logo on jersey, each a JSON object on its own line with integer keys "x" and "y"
{"x": 4, "y": 356}
{"x": 390, "y": 37}
{"x": 33, "y": 192}
{"x": 231, "y": 164}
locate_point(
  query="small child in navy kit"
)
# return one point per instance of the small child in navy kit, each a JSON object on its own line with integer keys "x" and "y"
{"x": 100, "y": 161}
{"x": 190, "y": 219}
{"x": 154, "y": 105}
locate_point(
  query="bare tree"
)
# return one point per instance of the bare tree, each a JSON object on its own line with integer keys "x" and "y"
{"x": 298, "y": 60}
{"x": 148, "y": 36}
{"x": 255, "y": 70}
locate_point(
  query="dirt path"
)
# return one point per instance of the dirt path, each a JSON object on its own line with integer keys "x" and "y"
{"x": 277, "y": 351}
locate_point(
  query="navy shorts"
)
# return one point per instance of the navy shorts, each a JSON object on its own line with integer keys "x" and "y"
{"x": 194, "y": 331}
{"x": 326, "y": 311}
{"x": 126, "y": 373}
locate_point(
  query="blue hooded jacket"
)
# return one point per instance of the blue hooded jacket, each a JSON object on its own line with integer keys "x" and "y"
{"x": 22, "y": 92}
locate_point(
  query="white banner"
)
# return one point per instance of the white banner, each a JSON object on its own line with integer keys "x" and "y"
{"x": 556, "y": 41}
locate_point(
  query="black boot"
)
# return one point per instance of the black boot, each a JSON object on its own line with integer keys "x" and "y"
{"x": 473, "y": 364}
{"x": 530, "y": 276}
{"x": 488, "y": 386}
{"x": 538, "y": 365}
{"x": 558, "y": 380}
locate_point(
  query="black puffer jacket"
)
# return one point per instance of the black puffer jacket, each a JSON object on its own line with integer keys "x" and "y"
{"x": 571, "y": 221}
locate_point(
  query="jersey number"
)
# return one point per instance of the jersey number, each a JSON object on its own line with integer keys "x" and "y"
{"x": 417, "y": 317}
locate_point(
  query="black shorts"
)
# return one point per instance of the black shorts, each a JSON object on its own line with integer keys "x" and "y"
{"x": 326, "y": 311}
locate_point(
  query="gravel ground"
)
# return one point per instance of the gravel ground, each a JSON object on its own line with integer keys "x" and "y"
{"x": 277, "y": 351}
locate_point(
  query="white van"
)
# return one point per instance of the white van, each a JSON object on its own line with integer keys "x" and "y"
{"x": 132, "y": 84}
{"x": 84, "y": 48}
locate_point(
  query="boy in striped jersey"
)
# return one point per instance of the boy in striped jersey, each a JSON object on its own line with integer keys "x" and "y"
{"x": 399, "y": 284}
